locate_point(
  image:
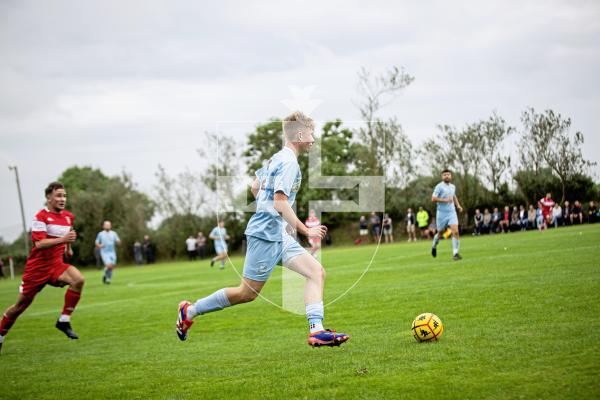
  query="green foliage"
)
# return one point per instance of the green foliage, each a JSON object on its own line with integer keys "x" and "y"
{"x": 547, "y": 143}
{"x": 94, "y": 197}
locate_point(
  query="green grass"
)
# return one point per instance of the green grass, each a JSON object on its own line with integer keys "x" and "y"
{"x": 521, "y": 315}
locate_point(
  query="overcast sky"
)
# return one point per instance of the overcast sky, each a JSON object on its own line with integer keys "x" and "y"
{"x": 125, "y": 85}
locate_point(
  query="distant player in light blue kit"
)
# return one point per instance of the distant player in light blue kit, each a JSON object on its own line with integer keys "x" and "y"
{"x": 275, "y": 189}
{"x": 106, "y": 241}
{"x": 220, "y": 236}
{"x": 444, "y": 195}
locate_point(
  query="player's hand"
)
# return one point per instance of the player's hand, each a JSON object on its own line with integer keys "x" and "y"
{"x": 459, "y": 208}
{"x": 70, "y": 237}
{"x": 317, "y": 231}
{"x": 69, "y": 252}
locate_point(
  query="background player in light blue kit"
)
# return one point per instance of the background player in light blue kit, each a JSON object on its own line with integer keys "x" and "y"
{"x": 106, "y": 241}
{"x": 220, "y": 236}
{"x": 275, "y": 189}
{"x": 444, "y": 195}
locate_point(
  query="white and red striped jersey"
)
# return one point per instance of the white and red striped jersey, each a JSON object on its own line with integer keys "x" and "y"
{"x": 48, "y": 224}
{"x": 312, "y": 222}
{"x": 547, "y": 205}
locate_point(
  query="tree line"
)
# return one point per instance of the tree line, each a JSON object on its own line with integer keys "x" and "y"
{"x": 494, "y": 164}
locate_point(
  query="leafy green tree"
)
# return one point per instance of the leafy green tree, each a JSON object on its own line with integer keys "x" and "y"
{"x": 93, "y": 198}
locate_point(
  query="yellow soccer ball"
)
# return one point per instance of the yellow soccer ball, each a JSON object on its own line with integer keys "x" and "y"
{"x": 427, "y": 327}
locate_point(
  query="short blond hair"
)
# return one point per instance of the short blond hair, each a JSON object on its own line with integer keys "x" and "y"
{"x": 295, "y": 122}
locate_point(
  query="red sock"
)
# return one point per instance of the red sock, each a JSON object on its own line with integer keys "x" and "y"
{"x": 71, "y": 299}
{"x": 5, "y": 325}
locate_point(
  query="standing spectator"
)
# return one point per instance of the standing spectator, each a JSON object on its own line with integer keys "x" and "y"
{"x": 148, "y": 249}
{"x": 547, "y": 204}
{"x": 592, "y": 213}
{"x": 411, "y": 225}
{"x": 505, "y": 221}
{"x": 1, "y": 269}
{"x": 496, "y": 219}
{"x": 363, "y": 229}
{"x": 478, "y": 219}
{"x": 487, "y": 222}
{"x": 515, "y": 223}
{"x": 531, "y": 223}
{"x": 556, "y": 215}
{"x": 422, "y": 221}
{"x": 375, "y": 226}
{"x": 137, "y": 253}
{"x": 566, "y": 217}
{"x": 523, "y": 218}
{"x": 201, "y": 245}
{"x": 311, "y": 222}
{"x": 190, "y": 244}
{"x": 388, "y": 231}
{"x": 577, "y": 213}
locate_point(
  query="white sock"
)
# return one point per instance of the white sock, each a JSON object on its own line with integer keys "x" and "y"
{"x": 64, "y": 318}
{"x": 1, "y": 338}
{"x": 316, "y": 327}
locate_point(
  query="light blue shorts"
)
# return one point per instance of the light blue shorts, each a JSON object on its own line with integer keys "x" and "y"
{"x": 108, "y": 258}
{"x": 443, "y": 221}
{"x": 220, "y": 247}
{"x": 262, "y": 256}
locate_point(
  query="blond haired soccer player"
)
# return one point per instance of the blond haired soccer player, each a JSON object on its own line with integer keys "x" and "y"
{"x": 52, "y": 235}
{"x": 275, "y": 189}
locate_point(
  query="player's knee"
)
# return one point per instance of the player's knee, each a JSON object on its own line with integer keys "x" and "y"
{"x": 248, "y": 296}
{"x": 78, "y": 282}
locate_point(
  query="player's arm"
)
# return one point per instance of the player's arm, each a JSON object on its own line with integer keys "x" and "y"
{"x": 457, "y": 204}
{"x": 281, "y": 205}
{"x": 255, "y": 187}
{"x": 436, "y": 199}
{"x": 51, "y": 242}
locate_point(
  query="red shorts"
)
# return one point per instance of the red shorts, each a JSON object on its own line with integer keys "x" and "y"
{"x": 35, "y": 278}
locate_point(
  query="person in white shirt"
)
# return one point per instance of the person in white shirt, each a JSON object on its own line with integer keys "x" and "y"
{"x": 190, "y": 244}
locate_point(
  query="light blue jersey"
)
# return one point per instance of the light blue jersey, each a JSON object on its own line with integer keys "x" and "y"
{"x": 220, "y": 243}
{"x": 445, "y": 191}
{"x": 281, "y": 174}
{"x": 108, "y": 241}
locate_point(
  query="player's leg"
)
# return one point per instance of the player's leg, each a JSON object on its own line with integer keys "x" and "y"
{"x": 455, "y": 241}
{"x": 301, "y": 262}
{"x": 442, "y": 224}
{"x": 75, "y": 280}
{"x": 261, "y": 257}
{"x": 13, "y": 312}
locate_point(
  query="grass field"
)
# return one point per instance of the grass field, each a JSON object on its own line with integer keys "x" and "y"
{"x": 521, "y": 315}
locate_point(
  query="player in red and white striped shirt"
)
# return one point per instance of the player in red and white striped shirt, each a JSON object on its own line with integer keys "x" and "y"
{"x": 52, "y": 235}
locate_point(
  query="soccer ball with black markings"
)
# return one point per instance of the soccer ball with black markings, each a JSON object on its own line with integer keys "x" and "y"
{"x": 427, "y": 327}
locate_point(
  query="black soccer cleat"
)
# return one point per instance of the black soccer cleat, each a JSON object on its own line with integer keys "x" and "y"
{"x": 0, "y": 347}
{"x": 212, "y": 263}
{"x": 65, "y": 327}
{"x": 457, "y": 257}
{"x": 434, "y": 252}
